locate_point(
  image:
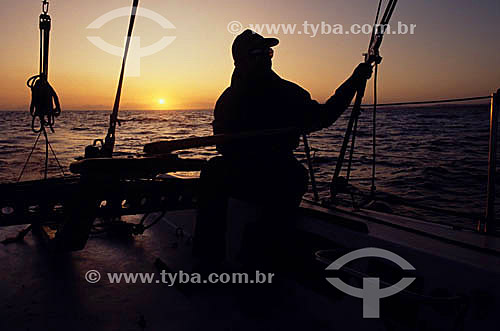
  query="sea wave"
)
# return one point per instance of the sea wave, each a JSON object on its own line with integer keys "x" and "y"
{"x": 446, "y": 149}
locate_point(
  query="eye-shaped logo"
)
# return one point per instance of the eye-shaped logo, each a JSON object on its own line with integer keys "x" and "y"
{"x": 371, "y": 293}
{"x": 136, "y": 52}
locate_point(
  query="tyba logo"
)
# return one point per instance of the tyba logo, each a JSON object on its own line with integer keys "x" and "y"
{"x": 371, "y": 293}
{"x": 136, "y": 52}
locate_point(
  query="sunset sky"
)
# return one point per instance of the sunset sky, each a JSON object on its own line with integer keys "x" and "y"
{"x": 455, "y": 51}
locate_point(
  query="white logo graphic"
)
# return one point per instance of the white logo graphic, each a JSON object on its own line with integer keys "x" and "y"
{"x": 235, "y": 27}
{"x": 371, "y": 293}
{"x": 92, "y": 276}
{"x": 136, "y": 52}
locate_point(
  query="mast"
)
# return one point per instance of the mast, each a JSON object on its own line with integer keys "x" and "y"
{"x": 371, "y": 57}
{"x": 108, "y": 145}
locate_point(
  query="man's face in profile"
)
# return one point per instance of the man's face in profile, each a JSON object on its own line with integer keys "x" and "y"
{"x": 259, "y": 60}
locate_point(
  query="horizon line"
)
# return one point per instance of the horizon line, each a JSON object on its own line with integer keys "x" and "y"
{"x": 211, "y": 109}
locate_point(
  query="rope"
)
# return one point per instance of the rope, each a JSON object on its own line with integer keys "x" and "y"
{"x": 376, "y": 21}
{"x": 44, "y": 103}
{"x": 46, "y": 154}
{"x": 307, "y": 150}
{"x": 47, "y": 146}
{"x": 351, "y": 152}
{"x": 355, "y": 130}
{"x": 374, "y": 134}
{"x": 57, "y": 160}
{"x": 431, "y": 101}
{"x": 29, "y": 157}
{"x": 44, "y": 100}
{"x": 371, "y": 57}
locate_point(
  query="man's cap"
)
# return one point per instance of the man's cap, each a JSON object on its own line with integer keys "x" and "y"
{"x": 249, "y": 40}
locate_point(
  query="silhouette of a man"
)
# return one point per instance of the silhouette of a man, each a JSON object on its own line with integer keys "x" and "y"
{"x": 263, "y": 171}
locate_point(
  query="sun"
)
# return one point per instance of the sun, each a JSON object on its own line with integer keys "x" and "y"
{"x": 161, "y": 101}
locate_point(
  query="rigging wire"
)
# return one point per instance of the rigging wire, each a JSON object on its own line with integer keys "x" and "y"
{"x": 429, "y": 102}
{"x": 351, "y": 152}
{"x": 29, "y": 157}
{"x": 355, "y": 129}
{"x": 307, "y": 150}
{"x": 374, "y": 133}
{"x": 376, "y": 21}
{"x": 57, "y": 160}
{"x": 371, "y": 57}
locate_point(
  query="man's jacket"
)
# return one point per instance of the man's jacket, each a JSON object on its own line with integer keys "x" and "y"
{"x": 270, "y": 102}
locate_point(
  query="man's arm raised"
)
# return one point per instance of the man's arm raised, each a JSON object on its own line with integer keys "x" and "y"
{"x": 324, "y": 115}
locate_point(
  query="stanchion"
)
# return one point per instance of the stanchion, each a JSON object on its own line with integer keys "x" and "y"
{"x": 489, "y": 225}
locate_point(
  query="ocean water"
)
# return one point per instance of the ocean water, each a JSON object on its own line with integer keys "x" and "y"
{"x": 432, "y": 156}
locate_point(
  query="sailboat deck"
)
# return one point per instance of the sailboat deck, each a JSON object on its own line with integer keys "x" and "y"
{"x": 40, "y": 290}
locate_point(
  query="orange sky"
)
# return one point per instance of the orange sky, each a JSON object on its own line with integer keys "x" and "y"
{"x": 443, "y": 59}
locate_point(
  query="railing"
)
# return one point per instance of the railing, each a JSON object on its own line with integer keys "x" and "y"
{"x": 488, "y": 226}
{"x": 485, "y": 224}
